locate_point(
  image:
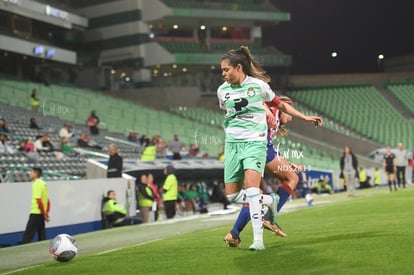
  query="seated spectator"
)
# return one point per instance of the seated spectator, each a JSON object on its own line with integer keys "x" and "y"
{"x": 190, "y": 198}
{"x": 322, "y": 186}
{"x": 66, "y": 131}
{"x": 180, "y": 203}
{"x": 30, "y": 150}
{"x": 195, "y": 151}
{"x": 22, "y": 145}
{"x": 133, "y": 137}
{"x": 66, "y": 148}
{"x": 160, "y": 144}
{"x": 364, "y": 180}
{"x": 201, "y": 206}
{"x": 33, "y": 124}
{"x": 85, "y": 141}
{"x": 44, "y": 144}
{"x": 114, "y": 214}
{"x": 93, "y": 122}
{"x": 29, "y": 146}
{"x": 144, "y": 140}
{"x": 5, "y": 147}
{"x": 362, "y": 175}
{"x": 218, "y": 194}
{"x": 4, "y": 126}
{"x": 150, "y": 152}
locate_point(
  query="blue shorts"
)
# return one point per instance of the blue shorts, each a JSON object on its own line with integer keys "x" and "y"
{"x": 271, "y": 152}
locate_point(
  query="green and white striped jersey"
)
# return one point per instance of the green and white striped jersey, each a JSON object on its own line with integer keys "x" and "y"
{"x": 245, "y": 118}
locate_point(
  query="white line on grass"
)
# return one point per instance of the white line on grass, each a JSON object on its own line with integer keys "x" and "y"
{"x": 129, "y": 246}
{"x": 22, "y": 269}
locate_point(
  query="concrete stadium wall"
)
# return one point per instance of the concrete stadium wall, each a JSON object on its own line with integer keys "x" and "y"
{"x": 73, "y": 204}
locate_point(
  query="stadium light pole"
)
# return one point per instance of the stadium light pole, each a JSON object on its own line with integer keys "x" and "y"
{"x": 380, "y": 59}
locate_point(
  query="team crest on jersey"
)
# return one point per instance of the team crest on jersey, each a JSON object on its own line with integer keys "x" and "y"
{"x": 251, "y": 92}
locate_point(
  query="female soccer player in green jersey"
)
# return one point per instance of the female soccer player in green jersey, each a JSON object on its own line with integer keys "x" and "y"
{"x": 242, "y": 96}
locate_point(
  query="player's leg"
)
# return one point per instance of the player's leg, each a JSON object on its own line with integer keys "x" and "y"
{"x": 236, "y": 194}
{"x": 256, "y": 207}
{"x": 242, "y": 220}
{"x": 285, "y": 172}
{"x": 254, "y": 161}
{"x": 232, "y": 238}
{"x": 233, "y": 178}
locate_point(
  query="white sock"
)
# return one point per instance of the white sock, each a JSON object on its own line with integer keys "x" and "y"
{"x": 239, "y": 197}
{"x": 255, "y": 200}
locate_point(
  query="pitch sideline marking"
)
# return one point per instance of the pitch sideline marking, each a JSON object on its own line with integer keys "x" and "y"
{"x": 129, "y": 246}
{"x": 101, "y": 253}
{"x": 22, "y": 269}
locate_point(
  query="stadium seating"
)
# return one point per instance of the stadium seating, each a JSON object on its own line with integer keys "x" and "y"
{"x": 328, "y": 123}
{"x": 60, "y": 103}
{"x": 361, "y": 108}
{"x": 404, "y": 91}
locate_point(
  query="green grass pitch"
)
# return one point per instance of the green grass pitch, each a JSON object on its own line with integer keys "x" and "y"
{"x": 370, "y": 234}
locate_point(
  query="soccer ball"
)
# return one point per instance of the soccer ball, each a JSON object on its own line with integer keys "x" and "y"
{"x": 63, "y": 247}
{"x": 309, "y": 199}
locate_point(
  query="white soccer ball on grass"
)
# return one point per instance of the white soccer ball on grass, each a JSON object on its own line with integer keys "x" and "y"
{"x": 63, "y": 247}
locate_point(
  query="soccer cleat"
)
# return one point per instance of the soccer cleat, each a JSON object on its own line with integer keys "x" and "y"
{"x": 231, "y": 240}
{"x": 273, "y": 208}
{"x": 257, "y": 246}
{"x": 275, "y": 228}
{"x": 267, "y": 225}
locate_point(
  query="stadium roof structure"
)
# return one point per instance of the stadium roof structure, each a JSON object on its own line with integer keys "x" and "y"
{"x": 147, "y": 35}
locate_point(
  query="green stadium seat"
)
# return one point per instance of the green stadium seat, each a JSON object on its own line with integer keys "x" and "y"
{"x": 363, "y": 109}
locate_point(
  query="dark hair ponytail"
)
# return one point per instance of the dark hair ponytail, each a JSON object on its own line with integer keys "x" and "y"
{"x": 243, "y": 57}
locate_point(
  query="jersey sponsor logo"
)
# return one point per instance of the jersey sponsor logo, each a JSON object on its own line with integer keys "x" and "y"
{"x": 245, "y": 117}
{"x": 239, "y": 104}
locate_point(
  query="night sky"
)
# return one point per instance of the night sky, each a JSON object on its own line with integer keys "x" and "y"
{"x": 358, "y": 30}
